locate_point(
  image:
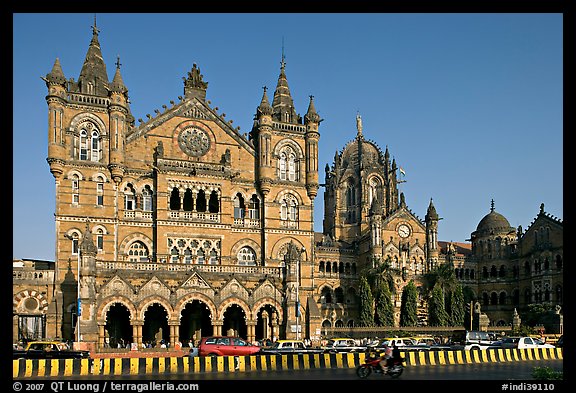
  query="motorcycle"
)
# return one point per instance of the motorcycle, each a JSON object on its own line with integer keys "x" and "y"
{"x": 372, "y": 365}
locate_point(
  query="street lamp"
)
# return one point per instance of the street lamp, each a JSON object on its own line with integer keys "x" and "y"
{"x": 78, "y": 301}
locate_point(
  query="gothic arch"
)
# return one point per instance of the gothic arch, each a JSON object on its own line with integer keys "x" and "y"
{"x": 96, "y": 175}
{"x": 73, "y": 172}
{"x": 293, "y": 193}
{"x": 147, "y": 302}
{"x": 288, "y": 143}
{"x": 109, "y": 301}
{"x": 264, "y": 301}
{"x": 128, "y": 240}
{"x": 246, "y": 242}
{"x": 184, "y": 300}
{"x": 228, "y": 302}
{"x": 88, "y": 117}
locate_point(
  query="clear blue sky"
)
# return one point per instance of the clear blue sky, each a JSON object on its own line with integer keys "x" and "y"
{"x": 470, "y": 105}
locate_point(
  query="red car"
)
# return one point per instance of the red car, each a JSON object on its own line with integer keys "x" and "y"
{"x": 226, "y": 346}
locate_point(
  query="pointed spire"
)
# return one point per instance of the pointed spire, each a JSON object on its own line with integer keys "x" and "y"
{"x": 56, "y": 75}
{"x": 311, "y": 115}
{"x": 264, "y": 108}
{"x": 431, "y": 213}
{"x": 117, "y": 82}
{"x": 194, "y": 85}
{"x": 282, "y": 104}
{"x": 93, "y": 77}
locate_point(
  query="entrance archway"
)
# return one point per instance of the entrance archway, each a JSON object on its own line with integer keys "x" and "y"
{"x": 195, "y": 322}
{"x": 264, "y": 323}
{"x": 155, "y": 329}
{"x": 118, "y": 329}
{"x": 235, "y": 322}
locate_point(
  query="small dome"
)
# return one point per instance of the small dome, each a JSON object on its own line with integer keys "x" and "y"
{"x": 493, "y": 221}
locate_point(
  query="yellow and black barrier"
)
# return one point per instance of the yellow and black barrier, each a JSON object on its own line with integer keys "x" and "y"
{"x": 57, "y": 368}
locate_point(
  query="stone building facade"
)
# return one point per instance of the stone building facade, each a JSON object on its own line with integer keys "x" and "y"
{"x": 179, "y": 226}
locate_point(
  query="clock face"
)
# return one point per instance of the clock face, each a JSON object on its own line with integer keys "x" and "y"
{"x": 194, "y": 141}
{"x": 403, "y": 230}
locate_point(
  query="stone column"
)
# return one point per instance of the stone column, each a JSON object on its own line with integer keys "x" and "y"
{"x": 101, "y": 334}
{"x": 251, "y": 330}
{"x": 173, "y": 333}
{"x": 217, "y": 327}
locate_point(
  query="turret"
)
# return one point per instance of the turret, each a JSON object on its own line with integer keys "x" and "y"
{"x": 431, "y": 220}
{"x": 312, "y": 120}
{"x": 118, "y": 126}
{"x": 263, "y": 138}
{"x": 56, "y": 99}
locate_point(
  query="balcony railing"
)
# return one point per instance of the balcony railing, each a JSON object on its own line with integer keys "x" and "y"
{"x": 184, "y": 267}
{"x": 189, "y": 215}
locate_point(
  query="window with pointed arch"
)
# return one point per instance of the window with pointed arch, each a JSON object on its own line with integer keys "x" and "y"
{"x": 147, "y": 199}
{"x": 246, "y": 256}
{"x": 129, "y": 197}
{"x": 254, "y": 208}
{"x": 75, "y": 189}
{"x": 99, "y": 191}
{"x": 239, "y": 206}
{"x": 289, "y": 209}
{"x": 90, "y": 148}
{"x": 138, "y": 252}
{"x": 375, "y": 190}
{"x": 288, "y": 165}
{"x": 100, "y": 240}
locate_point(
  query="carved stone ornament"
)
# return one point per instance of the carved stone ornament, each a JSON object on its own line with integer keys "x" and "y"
{"x": 194, "y": 141}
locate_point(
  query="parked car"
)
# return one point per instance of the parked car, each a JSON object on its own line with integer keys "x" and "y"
{"x": 337, "y": 345}
{"x": 403, "y": 343}
{"x": 48, "y": 350}
{"x": 226, "y": 346}
{"x": 281, "y": 347}
{"x": 523, "y": 343}
{"x": 470, "y": 340}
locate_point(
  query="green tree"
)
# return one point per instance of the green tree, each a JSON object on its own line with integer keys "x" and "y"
{"x": 366, "y": 303}
{"x": 409, "y": 307}
{"x": 384, "y": 310}
{"x": 457, "y": 306}
{"x": 437, "y": 315}
{"x": 381, "y": 273}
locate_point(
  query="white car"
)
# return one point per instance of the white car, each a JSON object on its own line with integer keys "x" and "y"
{"x": 524, "y": 343}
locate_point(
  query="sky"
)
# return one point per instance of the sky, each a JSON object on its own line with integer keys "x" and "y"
{"x": 470, "y": 105}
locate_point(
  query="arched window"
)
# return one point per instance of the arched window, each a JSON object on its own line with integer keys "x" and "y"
{"x": 375, "y": 190}
{"x": 201, "y": 256}
{"x": 246, "y": 256}
{"x": 188, "y": 255}
{"x": 254, "y": 210}
{"x": 288, "y": 164}
{"x": 201, "y": 201}
{"x": 99, "y": 191}
{"x": 89, "y": 143}
{"x": 95, "y": 146}
{"x": 175, "y": 199}
{"x": 138, "y": 252}
{"x": 129, "y": 197}
{"x": 188, "y": 201}
{"x": 213, "y": 257}
{"x": 100, "y": 240}
{"x": 289, "y": 209}
{"x": 174, "y": 257}
{"x": 282, "y": 163}
{"x": 321, "y": 267}
{"x": 292, "y": 167}
{"x": 83, "y": 145}
{"x": 239, "y": 206}
{"x": 75, "y": 189}
{"x": 147, "y": 199}
{"x": 213, "y": 203}
{"x": 339, "y": 295}
{"x": 502, "y": 298}
{"x": 326, "y": 296}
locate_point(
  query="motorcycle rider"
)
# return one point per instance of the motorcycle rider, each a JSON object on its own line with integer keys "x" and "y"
{"x": 385, "y": 359}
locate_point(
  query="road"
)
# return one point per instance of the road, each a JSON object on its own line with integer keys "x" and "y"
{"x": 520, "y": 371}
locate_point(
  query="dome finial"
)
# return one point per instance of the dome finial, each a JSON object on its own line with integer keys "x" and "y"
{"x": 492, "y": 205}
